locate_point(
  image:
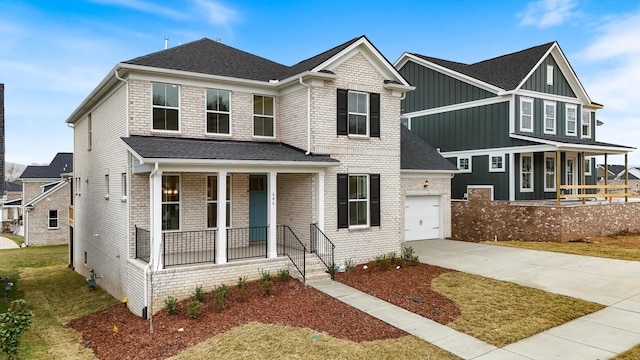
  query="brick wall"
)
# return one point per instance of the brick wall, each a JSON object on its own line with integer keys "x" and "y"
{"x": 479, "y": 218}
{"x": 38, "y": 229}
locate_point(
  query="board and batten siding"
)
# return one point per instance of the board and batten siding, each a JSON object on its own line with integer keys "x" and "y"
{"x": 436, "y": 89}
{"x": 481, "y": 176}
{"x": 538, "y": 80}
{"x": 561, "y": 120}
{"x": 473, "y": 128}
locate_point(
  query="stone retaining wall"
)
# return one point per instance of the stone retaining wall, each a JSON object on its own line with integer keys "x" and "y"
{"x": 481, "y": 218}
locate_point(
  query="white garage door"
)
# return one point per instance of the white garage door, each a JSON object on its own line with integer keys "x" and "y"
{"x": 422, "y": 218}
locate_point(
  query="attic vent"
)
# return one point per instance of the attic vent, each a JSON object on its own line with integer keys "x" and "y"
{"x": 392, "y": 82}
{"x": 274, "y": 81}
{"x": 218, "y": 40}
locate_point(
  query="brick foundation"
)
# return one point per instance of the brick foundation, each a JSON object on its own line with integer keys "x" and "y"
{"x": 481, "y": 218}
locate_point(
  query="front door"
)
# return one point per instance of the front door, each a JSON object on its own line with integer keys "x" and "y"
{"x": 258, "y": 207}
{"x": 571, "y": 173}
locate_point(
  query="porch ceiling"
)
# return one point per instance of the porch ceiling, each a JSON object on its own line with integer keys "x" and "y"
{"x": 579, "y": 145}
{"x": 173, "y": 150}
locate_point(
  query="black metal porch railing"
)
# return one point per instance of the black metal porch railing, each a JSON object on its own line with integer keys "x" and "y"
{"x": 188, "y": 247}
{"x": 322, "y": 246}
{"x": 143, "y": 244}
{"x": 288, "y": 244}
{"x": 246, "y": 243}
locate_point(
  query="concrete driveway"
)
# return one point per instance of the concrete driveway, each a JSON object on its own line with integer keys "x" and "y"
{"x": 614, "y": 283}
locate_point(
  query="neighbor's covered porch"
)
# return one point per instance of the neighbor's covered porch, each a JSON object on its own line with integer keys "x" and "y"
{"x": 225, "y": 201}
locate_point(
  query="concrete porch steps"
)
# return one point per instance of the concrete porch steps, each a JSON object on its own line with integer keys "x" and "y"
{"x": 315, "y": 269}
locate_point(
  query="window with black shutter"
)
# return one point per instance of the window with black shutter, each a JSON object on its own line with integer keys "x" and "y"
{"x": 358, "y": 113}
{"x": 358, "y": 200}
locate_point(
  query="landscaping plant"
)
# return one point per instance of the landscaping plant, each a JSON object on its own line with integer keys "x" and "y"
{"x": 220, "y": 294}
{"x": 266, "y": 282}
{"x": 13, "y": 324}
{"x": 199, "y": 294}
{"x": 283, "y": 275}
{"x": 194, "y": 309}
{"x": 172, "y": 305}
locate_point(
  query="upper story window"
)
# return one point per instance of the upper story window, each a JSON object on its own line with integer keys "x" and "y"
{"x": 263, "y": 115}
{"x": 586, "y": 124}
{"x": 549, "y": 74}
{"x": 218, "y": 111}
{"x": 358, "y": 113}
{"x": 571, "y": 115}
{"x": 464, "y": 164}
{"x": 526, "y": 114}
{"x": 549, "y": 117}
{"x": 166, "y": 106}
{"x": 496, "y": 163}
{"x": 170, "y": 202}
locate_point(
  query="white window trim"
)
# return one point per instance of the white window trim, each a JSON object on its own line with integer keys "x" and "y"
{"x": 522, "y": 189}
{"x": 566, "y": 115}
{"x": 167, "y": 107}
{"x": 179, "y": 202}
{"x": 367, "y": 114}
{"x": 206, "y": 111}
{"x": 587, "y": 165}
{"x": 368, "y": 204}
{"x": 49, "y": 218}
{"x": 124, "y": 187}
{"x": 549, "y": 74}
{"x": 207, "y": 201}
{"x": 555, "y": 117}
{"x": 253, "y": 130}
{"x": 491, "y": 168}
{"x": 530, "y": 101}
{"x": 470, "y": 164}
{"x": 588, "y": 123}
{"x": 106, "y": 186}
{"x": 550, "y": 156}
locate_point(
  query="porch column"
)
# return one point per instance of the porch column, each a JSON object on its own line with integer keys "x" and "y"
{"x": 155, "y": 199}
{"x": 321, "y": 200}
{"x": 272, "y": 249}
{"x": 626, "y": 177}
{"x": 512, "y": 177}
{"x": 584, "y": 177}
{"x": 221, "y": 236}
{"x": 558, "y": 177}
{"x": 606, "y": 176}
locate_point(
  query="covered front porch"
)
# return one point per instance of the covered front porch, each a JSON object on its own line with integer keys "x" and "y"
{"x": 233, "y": 201}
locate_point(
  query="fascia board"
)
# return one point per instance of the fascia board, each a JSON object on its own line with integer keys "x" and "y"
{"x": 45, "y": 194}
{"x": 576, "y": 147}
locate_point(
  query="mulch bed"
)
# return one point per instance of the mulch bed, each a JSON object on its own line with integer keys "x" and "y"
{"x": 291, "y": 304}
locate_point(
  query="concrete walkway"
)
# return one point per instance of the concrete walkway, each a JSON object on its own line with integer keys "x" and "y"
{"x": 600, "y": 335}
{"x": 6, "y": 243}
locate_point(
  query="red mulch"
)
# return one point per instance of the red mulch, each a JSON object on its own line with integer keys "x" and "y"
{"x": 291, "y": 304}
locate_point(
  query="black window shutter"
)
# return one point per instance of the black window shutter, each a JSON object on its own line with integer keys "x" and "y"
{"x": 343, "y": 201}
{"x": 374, "y": 115}
{"x": 342, "y": 111}
{"x": 374, "y": 186}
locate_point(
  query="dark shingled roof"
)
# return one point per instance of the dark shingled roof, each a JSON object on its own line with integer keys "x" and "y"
{"x": 61, "y": 163}
{"x": 505, "y": 72}
{"x": 12, "y": 187}
{"x": 418, "y": 155}
{"x": 576, "y": 141}
{"x": 206, "y": 56}
{"x": 154, "y": 147}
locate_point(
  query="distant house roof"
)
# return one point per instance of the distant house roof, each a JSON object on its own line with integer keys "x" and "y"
{"x": 506, "y": 71}
{"x": 62, "y": 163}
{"x": 12, "y": 187}
{"x": 415, "y": 154}
{"x": 13, "y": 203}
{"x": 587, "y": 144}
{"x": 206, "y": 56}
{"x": 154, "y": 147}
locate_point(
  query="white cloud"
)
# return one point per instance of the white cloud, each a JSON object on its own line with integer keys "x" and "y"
{"x": 547, "y": 13}
{"x": 145, "y": 6}
{"x": 217, "y": 14}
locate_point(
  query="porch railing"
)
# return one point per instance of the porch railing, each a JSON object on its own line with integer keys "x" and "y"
{"x": 587, "y": 191}
{"x": 322, "y": 246}
{"x": 288, "y": 244}
{"x": 188, "y": 247}
{"x": 246, "y": 243}
{"x": 143, "y": 244}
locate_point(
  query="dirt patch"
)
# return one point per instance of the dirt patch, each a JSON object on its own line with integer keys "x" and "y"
{"x": 291, "y": 304}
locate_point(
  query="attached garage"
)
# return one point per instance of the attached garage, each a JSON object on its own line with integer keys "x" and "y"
{"x": 423, "y": 217}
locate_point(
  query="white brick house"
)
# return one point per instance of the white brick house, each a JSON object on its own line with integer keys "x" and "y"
{"x": 171, "y": 143}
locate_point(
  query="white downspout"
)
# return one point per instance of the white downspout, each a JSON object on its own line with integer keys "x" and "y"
{"x": 151, "y": 258}
{"x": 126, "y": 96}
{"x": 308, "y": 116}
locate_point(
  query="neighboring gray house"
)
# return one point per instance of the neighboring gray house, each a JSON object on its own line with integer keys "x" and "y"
{"x": 521, "y": 123}
{"x": 202, "y": 163}
{"x": 45, "y": 201}
{"x": 11, "y": 209}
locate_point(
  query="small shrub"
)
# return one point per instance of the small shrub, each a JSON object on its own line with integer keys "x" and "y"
{"x": 414, "y": 260}
{"x": 199, "y": 294}
{"x": 242, "y": 282}
{"x": 349, "y": 265}
{"x": 194, "y": 309}
{"x": 13, "y": 324}
{"x": 283, "y": 275}
{"x": 243, "y": 293}
{"x": 266, "y": 283}
{"x": 172, "y": 305}
{"x": 407, "y": 252}
{"x": 220, "y": 294}
{"x": 383, "y": 262}
{"x": 332, "y": 270}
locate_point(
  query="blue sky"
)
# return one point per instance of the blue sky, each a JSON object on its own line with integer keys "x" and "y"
{"x": 53, "y": 53}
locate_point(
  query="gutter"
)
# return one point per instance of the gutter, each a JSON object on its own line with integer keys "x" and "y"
{"x": 115, "y": 72}
{"x": 308, "y": 116}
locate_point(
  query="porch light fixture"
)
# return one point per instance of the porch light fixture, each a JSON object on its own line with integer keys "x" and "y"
{"x": 425, "y": 184}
